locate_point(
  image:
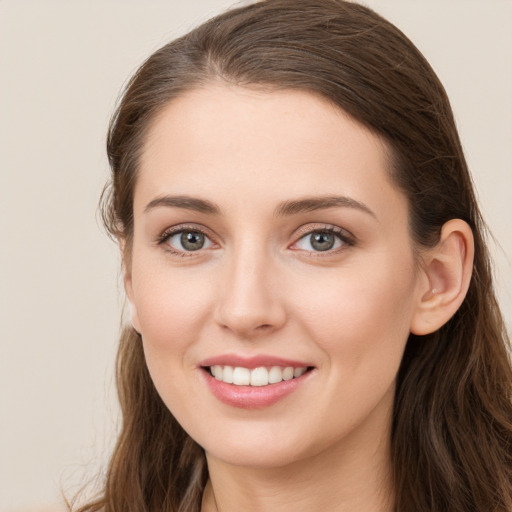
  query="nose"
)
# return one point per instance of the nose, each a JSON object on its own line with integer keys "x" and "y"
{"x": 250, "y": 302}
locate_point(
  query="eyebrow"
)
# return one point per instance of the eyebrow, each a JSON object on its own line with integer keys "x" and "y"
{"x": 286, "y": 208}
{"x": 185, "y": 202}
{"x": 309, "y": 204}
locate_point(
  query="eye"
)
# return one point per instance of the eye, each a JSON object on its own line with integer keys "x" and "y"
{"x": 188, "y": 240}
{"x": 322, "y": 240}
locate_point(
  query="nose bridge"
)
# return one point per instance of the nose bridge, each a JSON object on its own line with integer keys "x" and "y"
{"x": 249, "y": 301}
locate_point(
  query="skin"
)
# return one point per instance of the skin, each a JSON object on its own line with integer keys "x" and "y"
{"x": 259, "y": 287}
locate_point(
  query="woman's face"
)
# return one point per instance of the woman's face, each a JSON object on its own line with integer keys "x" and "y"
{"x": 269, "y": 241}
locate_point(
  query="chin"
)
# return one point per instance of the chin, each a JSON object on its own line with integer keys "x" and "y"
{"x": 259, "y": 449}
{"x": 256, "y": 457}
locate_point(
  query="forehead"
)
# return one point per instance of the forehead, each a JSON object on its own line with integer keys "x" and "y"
{"x": 224, "y": 140}
{"x": 219, "y": 116}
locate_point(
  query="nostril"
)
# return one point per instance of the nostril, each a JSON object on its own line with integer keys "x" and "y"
{"x": 264, "y": 327}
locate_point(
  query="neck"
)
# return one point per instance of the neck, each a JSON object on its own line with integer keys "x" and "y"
{"x": 343, "y": 478}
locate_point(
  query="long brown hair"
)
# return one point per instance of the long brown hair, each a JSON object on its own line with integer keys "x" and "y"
{"x": 452, "y": 423}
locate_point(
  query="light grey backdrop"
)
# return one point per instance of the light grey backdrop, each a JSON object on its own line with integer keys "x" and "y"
{"x": 62, "y": 64}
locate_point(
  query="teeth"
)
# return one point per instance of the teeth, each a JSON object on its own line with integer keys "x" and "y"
{"x": 275, "y": 375}
{"x": 260, "y": 376}
{"x": 296, "y": 373}
{"x": 241, "y": 376}
{"x": 217, "y": 372}
{"x": 288, "y": 373}
{"x": 227, "y": 375}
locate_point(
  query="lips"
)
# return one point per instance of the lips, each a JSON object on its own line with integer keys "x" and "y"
{"x": 254, "y": 382}
{"x": 252, "y": 362}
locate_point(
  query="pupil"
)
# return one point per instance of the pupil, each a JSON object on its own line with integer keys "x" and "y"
{"x": 192, "y": 240}
{"x": 322, "y": 241}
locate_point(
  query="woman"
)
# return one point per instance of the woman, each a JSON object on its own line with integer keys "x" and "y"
{"x": 313, "y": 322}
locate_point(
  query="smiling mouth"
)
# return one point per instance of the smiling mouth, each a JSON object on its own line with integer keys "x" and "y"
{"x": 255, "y": 377}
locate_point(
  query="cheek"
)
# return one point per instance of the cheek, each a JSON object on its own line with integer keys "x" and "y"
{"x": 172, "y": 310}
{"x": 359, "y": 311}
{"x": 171, "y": 306}
{"x": 360, "y": 321}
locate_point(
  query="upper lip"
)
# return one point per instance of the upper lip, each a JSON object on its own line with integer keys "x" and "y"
{"x": 252, "y": 361}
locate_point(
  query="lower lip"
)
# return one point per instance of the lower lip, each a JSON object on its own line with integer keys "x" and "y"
{"x": 253, "y": 397}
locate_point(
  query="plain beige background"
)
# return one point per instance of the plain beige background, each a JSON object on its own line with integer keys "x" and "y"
{"x": 62, "y": 64}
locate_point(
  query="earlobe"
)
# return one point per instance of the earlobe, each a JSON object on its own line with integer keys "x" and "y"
{"x": 447, "y": 269}
{"x": 132, "y": 309}
{"x": 134, "y": 318}
{"x": 128, "y": 288}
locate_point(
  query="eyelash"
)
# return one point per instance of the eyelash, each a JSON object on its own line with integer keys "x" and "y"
{"x": 347, "y": 239}
{"x": 176, "y": 230}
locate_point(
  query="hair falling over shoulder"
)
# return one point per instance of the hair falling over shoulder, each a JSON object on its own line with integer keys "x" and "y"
{"x": 155, "y": 464}
{"x": 452, "y": 423}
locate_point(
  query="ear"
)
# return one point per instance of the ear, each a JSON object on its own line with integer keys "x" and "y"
{"x": 128, "y": 286}
{"x": 447, "y": 272}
